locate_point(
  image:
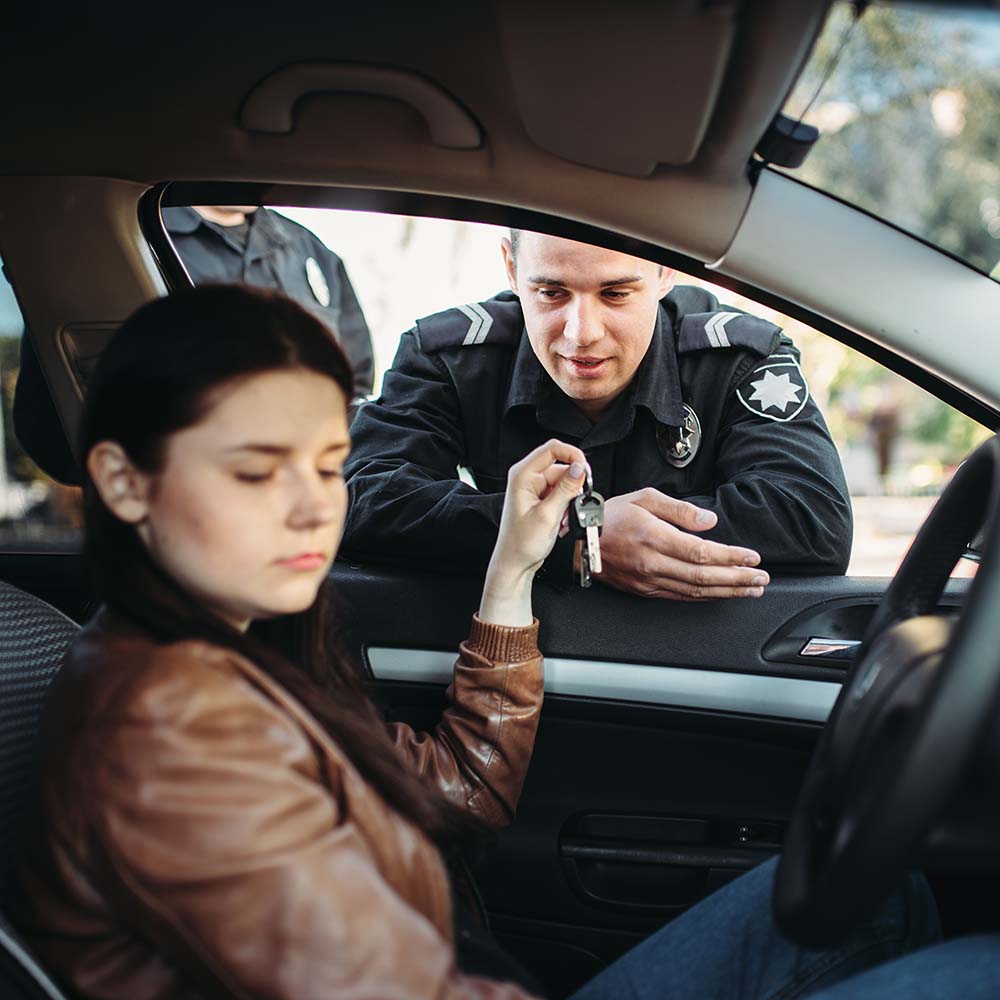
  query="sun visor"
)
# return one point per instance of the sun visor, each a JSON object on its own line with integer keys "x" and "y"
{"x": 623, "y": 87}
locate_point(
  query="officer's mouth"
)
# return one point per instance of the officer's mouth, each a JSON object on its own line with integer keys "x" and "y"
{"x": 585, "y": 367}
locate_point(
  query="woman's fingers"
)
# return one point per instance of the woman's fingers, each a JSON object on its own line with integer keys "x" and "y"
{"x": 539, "y": 489}
{"x": 562, "y": 492}
{"x": 553, "y": 474}
{"x": 545, "y": 456}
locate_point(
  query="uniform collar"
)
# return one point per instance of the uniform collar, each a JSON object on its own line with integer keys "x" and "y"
{"x": 655, "y": 387}
{"x": 266, "y": 235}
{"x": 657, "y": 383}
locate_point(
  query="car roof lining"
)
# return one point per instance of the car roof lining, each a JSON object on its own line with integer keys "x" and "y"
{"x": 186, "y": 102}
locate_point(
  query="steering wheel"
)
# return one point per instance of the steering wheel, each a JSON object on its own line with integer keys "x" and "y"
{"x": 920, "y": 696}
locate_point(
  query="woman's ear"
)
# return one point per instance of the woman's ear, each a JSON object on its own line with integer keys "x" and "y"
{"x": 123, "y": 488}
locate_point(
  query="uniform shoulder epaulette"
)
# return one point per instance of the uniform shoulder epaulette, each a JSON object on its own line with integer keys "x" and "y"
{"x": 700, "y": 331}
{"x": 496, "y": 321}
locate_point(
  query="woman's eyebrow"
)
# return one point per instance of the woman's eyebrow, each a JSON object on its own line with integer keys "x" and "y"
{"x": 264, "y": 448}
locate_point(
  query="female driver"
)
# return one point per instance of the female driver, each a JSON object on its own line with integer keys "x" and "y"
{"x": 223, "y": 812}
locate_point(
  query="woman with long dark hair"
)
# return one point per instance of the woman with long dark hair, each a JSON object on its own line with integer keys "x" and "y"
{"x": 222, "y": 811}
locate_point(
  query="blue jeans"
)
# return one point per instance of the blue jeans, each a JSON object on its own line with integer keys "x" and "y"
{"x": 728, "y": 948}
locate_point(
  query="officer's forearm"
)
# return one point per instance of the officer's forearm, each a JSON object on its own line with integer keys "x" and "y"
{"x": 795, "y": 528}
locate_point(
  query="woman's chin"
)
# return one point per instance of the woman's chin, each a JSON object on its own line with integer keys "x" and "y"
{"x": 288, "y": 601}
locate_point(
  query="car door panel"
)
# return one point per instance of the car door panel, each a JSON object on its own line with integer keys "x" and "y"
{"x": 673, "y": 742}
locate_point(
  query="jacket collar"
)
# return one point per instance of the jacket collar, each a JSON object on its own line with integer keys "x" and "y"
{"x": 266, "y": 235}
{"x": 656, "y": 387}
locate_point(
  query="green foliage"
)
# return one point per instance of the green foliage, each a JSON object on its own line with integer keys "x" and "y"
{"x": 918, "y": 94}
{"x": 19, "y": 466}
{"x": 953, "y": 432}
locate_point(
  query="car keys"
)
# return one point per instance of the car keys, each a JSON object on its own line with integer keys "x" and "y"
{"x": 586, "y": 522}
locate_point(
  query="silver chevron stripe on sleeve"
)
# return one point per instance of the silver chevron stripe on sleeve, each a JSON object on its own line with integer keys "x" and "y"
{"x": 479, "y": 325}
{"x": 715, "y": 328}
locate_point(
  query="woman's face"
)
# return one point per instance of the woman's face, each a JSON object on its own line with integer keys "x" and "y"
{"x": 248, "y": 508}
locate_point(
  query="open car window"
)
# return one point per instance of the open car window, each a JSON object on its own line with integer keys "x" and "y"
{"x": 899, "y": 444}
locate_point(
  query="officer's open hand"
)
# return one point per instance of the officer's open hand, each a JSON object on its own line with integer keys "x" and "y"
{"x": 648, "y": 548}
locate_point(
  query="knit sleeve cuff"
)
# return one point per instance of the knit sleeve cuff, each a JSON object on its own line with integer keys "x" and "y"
{"x": 503, "y": 643}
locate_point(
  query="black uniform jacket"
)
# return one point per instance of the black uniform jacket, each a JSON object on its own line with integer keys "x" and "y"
{"x": 276, "y": 255}
{"x": 466, "y": 389}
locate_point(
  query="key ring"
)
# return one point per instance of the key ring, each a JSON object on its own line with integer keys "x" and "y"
{"x": 588, "y": 483}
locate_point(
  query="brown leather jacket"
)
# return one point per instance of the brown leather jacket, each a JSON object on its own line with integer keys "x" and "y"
{"x": 202, "y": 835}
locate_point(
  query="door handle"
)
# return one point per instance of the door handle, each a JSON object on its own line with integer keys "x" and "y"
{"x": 831, "y": 649}
{"x": 658, "y": 864}
{"x": 651, "y": 877}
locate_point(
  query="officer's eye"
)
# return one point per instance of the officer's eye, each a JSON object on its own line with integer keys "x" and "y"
{"x": 551, "y": 293}
{"x": 617, "y": 294}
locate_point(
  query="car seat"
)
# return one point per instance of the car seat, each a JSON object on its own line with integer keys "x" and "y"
{"x": 33, "y": 639}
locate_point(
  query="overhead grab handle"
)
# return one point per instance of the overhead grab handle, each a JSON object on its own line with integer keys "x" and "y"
{"x": 270, "y": 106}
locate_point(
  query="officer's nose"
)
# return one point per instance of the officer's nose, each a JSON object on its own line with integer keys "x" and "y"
{"x": 582, "y": 327}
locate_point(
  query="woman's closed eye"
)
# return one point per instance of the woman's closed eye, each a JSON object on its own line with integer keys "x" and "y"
{"x": 254, "y": 476}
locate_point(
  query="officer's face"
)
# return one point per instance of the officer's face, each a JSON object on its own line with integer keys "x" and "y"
{"x": 589, "y": 313}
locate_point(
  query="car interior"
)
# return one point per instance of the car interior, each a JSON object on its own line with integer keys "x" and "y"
{"x": 680, "y": 743}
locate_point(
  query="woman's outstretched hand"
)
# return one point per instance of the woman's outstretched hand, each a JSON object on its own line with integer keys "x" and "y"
{"x": 539, "y": 488}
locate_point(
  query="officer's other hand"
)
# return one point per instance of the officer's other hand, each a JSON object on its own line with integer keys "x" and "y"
{"x": 648, "y": 548}
{"x": 539, "y": 489}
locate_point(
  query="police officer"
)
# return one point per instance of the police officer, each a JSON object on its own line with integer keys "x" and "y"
{"x": 715, "y": 462}
{"x": 243, "y": 243}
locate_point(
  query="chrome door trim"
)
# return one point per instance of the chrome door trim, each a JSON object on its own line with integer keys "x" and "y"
{"x": 751, "y": 694}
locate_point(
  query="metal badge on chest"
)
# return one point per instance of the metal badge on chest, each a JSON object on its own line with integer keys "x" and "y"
{"x": 679, "y": 445}
{"x": 317, "y": 282}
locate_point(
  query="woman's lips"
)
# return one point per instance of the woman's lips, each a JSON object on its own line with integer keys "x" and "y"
{"x": 587, "y": 367}
{"x": 303, "y": 562}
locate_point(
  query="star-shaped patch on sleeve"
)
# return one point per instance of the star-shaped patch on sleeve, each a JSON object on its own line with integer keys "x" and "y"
{"x": 776, "y": 389}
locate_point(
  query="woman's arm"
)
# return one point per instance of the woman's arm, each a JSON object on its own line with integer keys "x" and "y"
{"x": 478, "y": 754}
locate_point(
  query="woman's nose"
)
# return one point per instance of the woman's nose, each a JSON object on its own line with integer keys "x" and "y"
{"x": 313, "y": 504}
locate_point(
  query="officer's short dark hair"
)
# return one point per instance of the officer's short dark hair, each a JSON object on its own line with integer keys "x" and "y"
{"x": 515, "y": 239}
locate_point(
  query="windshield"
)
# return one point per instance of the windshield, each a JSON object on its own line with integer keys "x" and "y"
{"x": 909, "y": 122}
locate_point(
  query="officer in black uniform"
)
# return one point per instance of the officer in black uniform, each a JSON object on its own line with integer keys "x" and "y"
{"x": 259, "y": 247}
{"x": 717, "y": 412}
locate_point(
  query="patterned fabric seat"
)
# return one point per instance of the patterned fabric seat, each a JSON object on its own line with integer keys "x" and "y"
{"x": 33, "y": 638}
